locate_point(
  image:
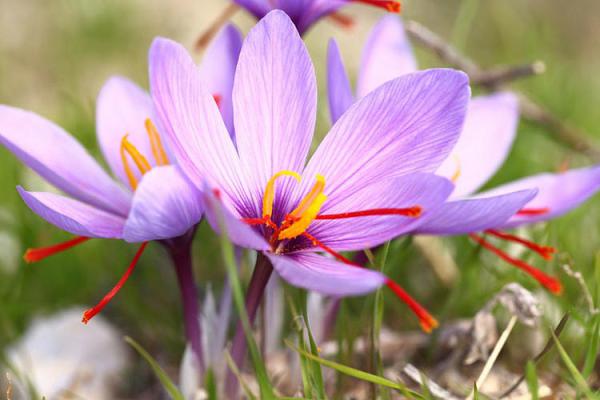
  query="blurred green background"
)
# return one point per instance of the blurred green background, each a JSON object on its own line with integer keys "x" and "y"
{"x": 55, "y": 55}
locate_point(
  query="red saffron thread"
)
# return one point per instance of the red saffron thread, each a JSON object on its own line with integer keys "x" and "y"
{"x": 545, "y": 252}
{"x": 38, "y": 254}
{"x": 345, "y": 21}
{"x": 412, "y": 212}
{"x": 91, "y": 313}
{"x": 551, "y": 283}
{"x": 533, "y": 211}
{"x": 389, "y": 5}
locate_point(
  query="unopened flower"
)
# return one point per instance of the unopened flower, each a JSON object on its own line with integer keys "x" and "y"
{"x": 367, "y": 183}
{"x": 486, "y": 139}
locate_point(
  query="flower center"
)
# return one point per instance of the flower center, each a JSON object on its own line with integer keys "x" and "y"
{"x": 129, "y": 151}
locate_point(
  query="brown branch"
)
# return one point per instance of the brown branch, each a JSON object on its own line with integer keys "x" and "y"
{"x": 495, "y": 78}
{"x": 207, "y": 35}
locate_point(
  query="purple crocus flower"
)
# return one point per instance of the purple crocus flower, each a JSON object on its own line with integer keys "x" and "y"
{"x": 304, "y": 13}
{"x": 483, "y": 146}
{"x": 149, "y": 201}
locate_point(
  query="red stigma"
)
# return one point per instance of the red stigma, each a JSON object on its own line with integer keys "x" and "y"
{"x": 428, "y": 323}
{"x": 34, "y": 255}
{"x": 345, "y": 21}
{"x": 551, "y": 283}
{"x": 533, "y": 211}
{"x": 91, "y": 313}
{"x": 546, "y": 252}
{"x": 388, "y": 5}
{"x": 218, "y": 99}
{"x": 412, "y": 212}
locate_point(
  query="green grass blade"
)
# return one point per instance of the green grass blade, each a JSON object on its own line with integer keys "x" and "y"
{"x": 575, "y": 374}
{"x": 378, "y": 321}
{"x": 162, "y": 376}
{"x": 592, "y": 347}
{"x": 238, "y": 375}
{"x": 532, "y": 380}
{"x": 358, "y": 374}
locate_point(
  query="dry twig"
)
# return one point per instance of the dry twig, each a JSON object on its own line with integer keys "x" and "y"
{"x": 493, "y": 79}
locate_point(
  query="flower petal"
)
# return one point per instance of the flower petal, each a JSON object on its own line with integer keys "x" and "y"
{"x": 387, "y": 55}
{"x": 165, "y": 205}
{"x": 73, "y": 216}
{"x": 425, "y": 190}
{"x": 484, "y": 144}
{"x": 274, "y": 101}
{"x": 122, "y": 109}
{"x": 258, "y": 8}
{"x": 193, "y": 126}
{"x": 558, "y": 193}
{"x": 217, "y": 69}
{"x": 325, "y": 275}
{"x": 460, "y": 217}
{"x": 407, "y": 125}
{"x": 339, "y": 90}
{"x": 219, "y": 214}
{"x": 60, "y": 159}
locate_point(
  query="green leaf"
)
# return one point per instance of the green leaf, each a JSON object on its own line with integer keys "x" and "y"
{"x": 162, "y": 376}
{"x": 592, "y": 347}
{"x": 532, "y": 380}
{"x": 358, "y": 374}
{"x": 575, "y": 374}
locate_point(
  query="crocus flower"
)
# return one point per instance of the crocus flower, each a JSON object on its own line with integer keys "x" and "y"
{"x": 486, "y": 139}
{"x": 149, "y": 200}
{"x": 304, "y": 13}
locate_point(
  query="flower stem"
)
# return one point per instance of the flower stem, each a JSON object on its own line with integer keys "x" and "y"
{"x": 260, "y": 276}
{"x": 180, "y": 251}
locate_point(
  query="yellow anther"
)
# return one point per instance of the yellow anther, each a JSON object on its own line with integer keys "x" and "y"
{"x": 160, "y": 155}
{"x": 269, "y": 195}
{"x": 310, "y": 197}
{"x": 139, "y": 160}
{"x": 458, "y": 170}
{"x": 308, "y": 216}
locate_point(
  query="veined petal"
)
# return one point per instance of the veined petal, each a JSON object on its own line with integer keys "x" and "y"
{"x": 219, "y": 214}
{"x": 122, "y": 109}
{"x": 165, "y": 205}
{"x": 192, "y": 124}
{"x": 557, "y": 193}
{"x": 217, "y": 69}
{"x": 387, "y": 55}
{"x": 274, "y": 102}
{"x": 339, "y": 90}
{"x": 316, "y": 10}
{"x": 407, "y": 125}
{"x": 484, "y": 144}
{"x": 427, "y": 191}
{"x": 325, "y": 275}
{"x": 464, "y": 216}
{"x": 73, "y": 216}
{"x": 60, "y": 159}
{"x": 258, "y": 8}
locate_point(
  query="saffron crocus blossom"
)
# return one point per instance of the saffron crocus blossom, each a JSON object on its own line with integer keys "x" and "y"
{"x": 483, "y": 146}
{"x": 304, "y": 13}
{"x": 149, "y": 201}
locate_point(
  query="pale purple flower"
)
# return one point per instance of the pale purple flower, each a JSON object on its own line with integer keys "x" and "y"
{"x": 483, "y": 146}
{"x": 149, "y": 199}
{"x": 304, "y": 13}
{"x": 377, "y": 157}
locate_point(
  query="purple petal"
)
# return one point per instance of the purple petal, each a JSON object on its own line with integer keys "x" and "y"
{"x": 484, "y": 144}
{"x": 558, "y": 193}
{"x": 425, "y": 190}
{"x": 325, "y": 275}
{"x": 460, "y": 217}
{"x": 338, "y": 86}
{"x": 274, "y": 102}
{"x": 193, "y": 126}
{"x": 316, "y": 10}
{"x": 219, "y": 214}
{"x": 165, "y": 205}
{"x": 122, "y": 109}
{"x": 218, "y": 68}
{"x": 407, "y": 125}
{"x": 258, "y": 8}
{"x": 387, "y": 55}
{"x": 73, "y": 216}
{"x": 60, "y": 159}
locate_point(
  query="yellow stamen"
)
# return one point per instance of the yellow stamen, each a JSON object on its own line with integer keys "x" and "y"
{"x": 157, "y": 148}
{"x": 308, "y": 200}
{"x": 308, "y": 216}
{"x": 139, "y": 160}
{"x": 458, "y": 170}
{"x": 269, "y": 195}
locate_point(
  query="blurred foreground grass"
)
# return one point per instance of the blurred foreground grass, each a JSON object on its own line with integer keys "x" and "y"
{"x": 54, "y": 57}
